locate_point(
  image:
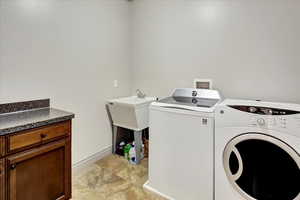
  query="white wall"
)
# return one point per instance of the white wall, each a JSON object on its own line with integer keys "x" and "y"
{"x": 251, "y": 49}
{"x": 72, "y": 50}
{"x": 69, "y": 51}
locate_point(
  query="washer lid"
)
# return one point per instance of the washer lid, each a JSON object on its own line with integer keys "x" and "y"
{"x": 196, "y": 93}
{"x": 192, "y": 99}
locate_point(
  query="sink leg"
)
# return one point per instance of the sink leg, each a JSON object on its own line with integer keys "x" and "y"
{"x": 115, "y": 133}
{"x": 138, "y": 145}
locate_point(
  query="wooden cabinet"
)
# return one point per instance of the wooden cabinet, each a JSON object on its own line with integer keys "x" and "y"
{"x": 2, "y": 179}
{"x": 41, "y": 167}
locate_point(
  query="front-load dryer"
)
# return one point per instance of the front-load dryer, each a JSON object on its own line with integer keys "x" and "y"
{"x": 257, "y": 151}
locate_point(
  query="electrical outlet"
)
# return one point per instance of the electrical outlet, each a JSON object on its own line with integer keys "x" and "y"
{"x": 116, "y": 84}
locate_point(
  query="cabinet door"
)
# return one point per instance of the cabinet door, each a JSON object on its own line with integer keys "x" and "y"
{"x": 43, "y": 173}
{"x": 2, "y": 180}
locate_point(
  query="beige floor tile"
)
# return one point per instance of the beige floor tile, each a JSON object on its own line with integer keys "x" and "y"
{"x": 113, "y": 178}
{"x": 135, "y": 174}
{"x": 113, "y": 163}
{"x": 133, "y": 193}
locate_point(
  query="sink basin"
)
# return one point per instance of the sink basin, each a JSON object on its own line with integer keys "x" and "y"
{"x": 130, "y": 112}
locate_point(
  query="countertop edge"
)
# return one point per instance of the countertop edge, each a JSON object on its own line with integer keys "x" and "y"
{"x": 11, "y": 130}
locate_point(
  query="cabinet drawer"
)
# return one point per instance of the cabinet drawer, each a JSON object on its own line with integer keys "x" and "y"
{"x": 39, "y": 135}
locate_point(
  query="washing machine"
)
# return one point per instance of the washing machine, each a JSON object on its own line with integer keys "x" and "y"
{"x": 181, "y": 136}
{"x": 257, "y": 151}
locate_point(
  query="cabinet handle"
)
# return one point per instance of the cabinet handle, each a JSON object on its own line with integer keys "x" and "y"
{"x": 43, "y": 135}
{"x": 13, "y": 166}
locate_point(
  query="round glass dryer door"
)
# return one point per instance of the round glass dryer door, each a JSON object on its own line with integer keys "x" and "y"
{"x": 261, "y": 167}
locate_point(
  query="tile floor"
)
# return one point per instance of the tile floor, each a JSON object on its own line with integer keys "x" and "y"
{"x": 113, "y": 178}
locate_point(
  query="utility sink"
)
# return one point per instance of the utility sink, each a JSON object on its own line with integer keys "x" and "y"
{"x": 130, "y": 112}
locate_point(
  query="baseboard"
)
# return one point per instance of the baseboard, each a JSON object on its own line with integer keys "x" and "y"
{"x": 85, "y": 163}
{"x": 151, "y": 189}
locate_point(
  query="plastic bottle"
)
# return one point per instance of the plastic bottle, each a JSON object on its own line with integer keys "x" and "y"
{"x": 132, "y": 155}
{"x": 126, "y": 151}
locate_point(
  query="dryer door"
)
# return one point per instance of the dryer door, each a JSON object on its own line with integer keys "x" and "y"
{"x": 261, "y": 167}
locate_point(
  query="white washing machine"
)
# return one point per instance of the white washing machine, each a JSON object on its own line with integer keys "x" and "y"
{"x": 257, "y": 151}
{"x": 181, "y": 145}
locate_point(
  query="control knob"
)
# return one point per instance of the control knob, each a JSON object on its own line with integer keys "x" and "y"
{"x": 261, "y": 122}
{"x": 252, "y": 109}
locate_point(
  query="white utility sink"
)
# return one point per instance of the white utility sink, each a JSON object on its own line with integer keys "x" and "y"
{"x": 130, "y": 112}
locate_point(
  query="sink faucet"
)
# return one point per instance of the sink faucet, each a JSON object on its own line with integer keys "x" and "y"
{"x": 140, "y": 94}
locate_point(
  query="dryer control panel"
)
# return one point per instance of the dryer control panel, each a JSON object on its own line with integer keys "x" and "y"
{"x": 267, "y": 117}
{"x": 264, "y": 110}
{"x": 259, "y": 117}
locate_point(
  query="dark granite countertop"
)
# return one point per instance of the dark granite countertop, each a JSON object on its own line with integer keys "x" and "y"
{"x": 11, "y": 122}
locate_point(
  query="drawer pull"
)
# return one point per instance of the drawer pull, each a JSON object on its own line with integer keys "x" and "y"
{"x": 43, "y": 135}
{"x": 13, "y": 166}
